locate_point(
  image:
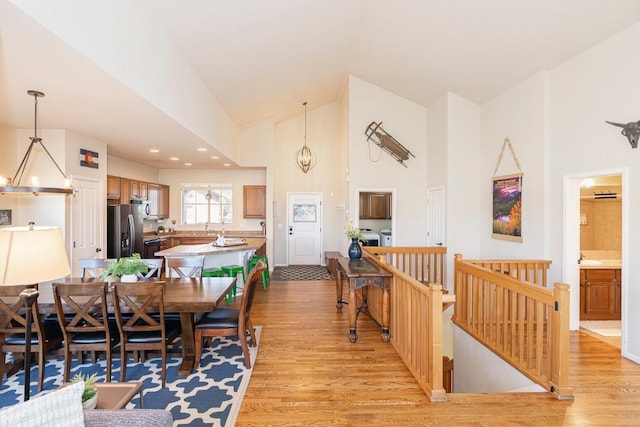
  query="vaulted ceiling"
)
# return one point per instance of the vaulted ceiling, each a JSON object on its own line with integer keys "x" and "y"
{"x": 262, "y": 59}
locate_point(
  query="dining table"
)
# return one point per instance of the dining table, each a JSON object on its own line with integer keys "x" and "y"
{"x": 186, "y": 296}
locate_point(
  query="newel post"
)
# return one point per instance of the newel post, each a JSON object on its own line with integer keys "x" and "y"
{"x": 560, "y": 352}
{"x": 438, "y": 393}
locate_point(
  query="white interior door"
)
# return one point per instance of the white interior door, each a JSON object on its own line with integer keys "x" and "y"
{"x": 435, "y": 216}
{"x": 87, "y": 222}
{"x": 304, "y": 219}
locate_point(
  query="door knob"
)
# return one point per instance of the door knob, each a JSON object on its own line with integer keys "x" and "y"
{"x": 98, "y": 249}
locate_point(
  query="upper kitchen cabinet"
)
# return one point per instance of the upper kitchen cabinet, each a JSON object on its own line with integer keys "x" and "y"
{"x": 375, "y": 205}
{"x": 254, "y": 201}
{"x": 138, "y": 189}
{"x": 163, "y": 202}
{"x": 113, "y": 187}
{"x": 125, "y": 191}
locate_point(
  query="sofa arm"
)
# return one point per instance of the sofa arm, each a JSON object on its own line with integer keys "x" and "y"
{"x": 127, "y": 417}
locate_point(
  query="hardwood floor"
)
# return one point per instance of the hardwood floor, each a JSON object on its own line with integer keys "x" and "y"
{"x": 308, "y": 374}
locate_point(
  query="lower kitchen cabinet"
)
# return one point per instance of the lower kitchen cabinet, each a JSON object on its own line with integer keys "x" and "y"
{"x": 600, "y": 294}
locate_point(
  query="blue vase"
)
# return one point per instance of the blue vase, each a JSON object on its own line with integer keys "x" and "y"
{"x": 355, "y": 251}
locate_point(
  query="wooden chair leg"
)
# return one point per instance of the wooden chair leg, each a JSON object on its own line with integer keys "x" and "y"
{"x": 41, "y": 363}
{"x": 123, "y": 363}
{"x": 245, "y": 349}
{"x": 254, "y": 342}
{"x": 198, "y": 348}
{"x": 67, "y": 365}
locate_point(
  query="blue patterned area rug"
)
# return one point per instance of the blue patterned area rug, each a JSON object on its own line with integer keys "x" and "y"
{"x": 210, "y": 396}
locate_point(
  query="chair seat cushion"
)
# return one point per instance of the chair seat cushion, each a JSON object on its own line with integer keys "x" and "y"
{"x": 51, "y": 331}
{"x": 222, "y": 317}
{"x": 94, "y": 337}
{"x": 172, "y": 329}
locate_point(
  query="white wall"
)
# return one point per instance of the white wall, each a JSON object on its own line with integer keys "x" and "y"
{"x": 132, "y": 170}
{"x": 598, "y": 85}
{"x": 8, "y": 165}
{"x": 324, "y": 140}
{"x": 518, "y": 114}
{"x": 406, "y": 121}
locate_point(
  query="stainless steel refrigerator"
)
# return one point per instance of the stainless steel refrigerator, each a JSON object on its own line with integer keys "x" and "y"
{"x": 124, "y": 230}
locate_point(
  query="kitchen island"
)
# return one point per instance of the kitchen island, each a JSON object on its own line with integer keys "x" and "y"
{"x": 216, "y": 256}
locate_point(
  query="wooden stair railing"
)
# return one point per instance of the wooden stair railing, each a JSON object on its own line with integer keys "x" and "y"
{"x": 526, "y": 324}
{"x": 416, "y": 311}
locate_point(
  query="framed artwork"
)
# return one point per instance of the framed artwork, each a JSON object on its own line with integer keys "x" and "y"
{"x": 507, "y": 207}
{"x": 89, "y": 159}
{"x": 5, "y": 216}
{"x": 304, "y": 213}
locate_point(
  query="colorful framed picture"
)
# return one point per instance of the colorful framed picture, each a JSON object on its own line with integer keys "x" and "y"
{"x": 304, "y": 213}
{"x": 89, "y": 159}
{"x": 507, "y": 207}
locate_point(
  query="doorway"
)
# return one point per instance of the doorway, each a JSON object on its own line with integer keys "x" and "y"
{"x": 304, "y": 230}
{"x": 594, "y": 249}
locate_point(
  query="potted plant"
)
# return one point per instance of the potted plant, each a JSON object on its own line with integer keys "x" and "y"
{"x": 90, "y": 394}
{"x": 126, "y": 268}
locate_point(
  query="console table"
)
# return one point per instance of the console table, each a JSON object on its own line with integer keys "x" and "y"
{"x": 360, "y": 274}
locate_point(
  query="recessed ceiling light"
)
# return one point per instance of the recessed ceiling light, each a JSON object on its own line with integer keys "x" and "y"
{"x": 202, "y": 149}
{"x": 188, "y": 164}
{"x": 154, "y": 150}
{"x": 227, "y": 164}
{"x": 174, "y": 158}
{"x": 215, "y": 157}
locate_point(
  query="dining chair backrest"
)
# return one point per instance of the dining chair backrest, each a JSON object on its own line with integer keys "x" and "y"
{"x": 185, "y": 267}
{"x": 84, "y": 320}
{"x": 45, "y": 334}
{"x": 155, "y": 268}
{"x": 93, "y": 267}
{"x": 229, "y": 321}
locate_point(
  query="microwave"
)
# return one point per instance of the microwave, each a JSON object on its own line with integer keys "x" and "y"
{"x": 146, "y": 207}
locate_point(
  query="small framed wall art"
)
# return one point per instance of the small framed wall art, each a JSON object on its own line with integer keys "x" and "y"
{"x": 507, "y": 207}
{"x": 5, "y": 216}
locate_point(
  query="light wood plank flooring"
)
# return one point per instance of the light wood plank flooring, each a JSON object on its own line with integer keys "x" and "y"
{"x": 309, "y": 374}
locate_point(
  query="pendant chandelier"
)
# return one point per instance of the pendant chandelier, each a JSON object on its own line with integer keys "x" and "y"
{"x": 305, "y": 159}
{"x": 15, "y": 186}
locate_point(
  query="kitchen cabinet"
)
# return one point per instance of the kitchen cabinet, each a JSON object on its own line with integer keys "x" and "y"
{"x": 254, "y": 201}
{"x": 138, "y": 189}
{"x": 163, "y": 202}
{"x": 600, "y": 294}
{"x": 113, "y": 187}
{"x": 375, "y": 205}
{"x": 125, "y": 191}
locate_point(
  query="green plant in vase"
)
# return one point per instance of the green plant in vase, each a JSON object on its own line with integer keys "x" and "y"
{"x": 89, "y": 395}
{"x": 127, "y": 267}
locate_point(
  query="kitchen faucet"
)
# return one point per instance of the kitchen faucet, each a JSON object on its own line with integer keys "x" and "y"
{"x": 206, "y": 227}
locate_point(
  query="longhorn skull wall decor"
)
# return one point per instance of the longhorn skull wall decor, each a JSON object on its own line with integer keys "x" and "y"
{"x": 631, "y": 130}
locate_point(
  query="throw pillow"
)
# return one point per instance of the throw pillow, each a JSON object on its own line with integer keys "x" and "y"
{"x": 60, "y": 408}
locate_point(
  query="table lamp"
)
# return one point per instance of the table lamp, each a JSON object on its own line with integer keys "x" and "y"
{"x": 30, "y": 255}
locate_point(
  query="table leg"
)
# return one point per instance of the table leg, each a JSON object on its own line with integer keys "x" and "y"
{"x": 353, "y": 316}
{"x": 385, "y": 315}
{"x": 188, "y": 344}
{"x": 339, "y": 290}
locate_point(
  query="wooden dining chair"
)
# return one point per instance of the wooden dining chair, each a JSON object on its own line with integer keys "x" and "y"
{"x": 155, "y": 268}
{"x": 230, "y": 321}
{"x": 141, "y": 331}
{"x": 185, "y": 267}
{"x": 93, "y": 267}
{"x": 45, "y": 334}
{"x": 82, "y": 313}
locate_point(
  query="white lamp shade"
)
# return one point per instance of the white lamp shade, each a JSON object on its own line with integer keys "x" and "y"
{"x": 30, "y": 255}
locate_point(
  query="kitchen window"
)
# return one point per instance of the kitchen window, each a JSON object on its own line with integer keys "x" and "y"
{"x": 203, "y": 203}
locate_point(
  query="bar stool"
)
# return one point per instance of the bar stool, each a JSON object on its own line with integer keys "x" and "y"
{"x": 232, "y": 271}
{"x": 265, "y": 273}
{"x": 212, "y": 272}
